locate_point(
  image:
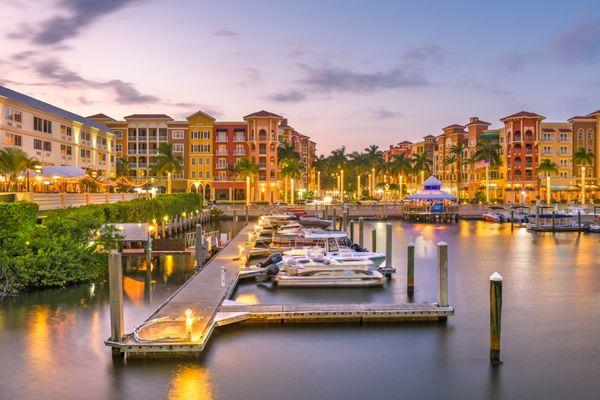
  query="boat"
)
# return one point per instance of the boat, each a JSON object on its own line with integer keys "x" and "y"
{"x": 594, "y": 228}
{"x": 494, "y": 215}
{"x": 554, "y": 222}
{"x": 330, "y": 248}
{"x": 328, "y": 272}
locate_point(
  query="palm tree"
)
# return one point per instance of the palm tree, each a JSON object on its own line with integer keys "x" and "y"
{"x": 287, "y": 151}
{"x": 291, "y": 168}
{"x": 360, "y": 166}
{"x": 401, "y": 166}
{"x": 246, "y": 168}
{"x": 12, "y": 163}
{"x": 374, "y": 155}
{"x": 583, "y": 157}
{"x": 547, "y": 167}
{"x": 457, "y": 151}
{"x": 490, "y": 154}
{"x": 167, "y": 163}
{"x": 450, "y": 160}
{"x": 123, "y": 167}
{"x": 421, "y": 164}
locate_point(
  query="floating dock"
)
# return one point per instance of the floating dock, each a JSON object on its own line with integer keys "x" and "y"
{"x": 182, "y": 325}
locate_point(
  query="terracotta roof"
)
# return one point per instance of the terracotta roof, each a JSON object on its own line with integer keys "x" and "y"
{"x": 263, "y": 113}
{"x": 454, "y": 126}
{"x": 404, "y": 143}
{"x": 523, "y": 114}
{"x": 428, "y": 137}
{"x": 478, "y": 122}
{"x": 100, "y": 116}
{"x": 201, "y": 113}
{"x": 548, "y": 129}
{"x": 594, "y": 113}
{"x": 177, "y": 123}
{"x": 148, "y": 116}
{"x": 580, "y": 117}
{"x": 565, "y": 130}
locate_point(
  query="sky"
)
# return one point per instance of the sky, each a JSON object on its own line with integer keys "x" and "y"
{"x": 347, "y": 73}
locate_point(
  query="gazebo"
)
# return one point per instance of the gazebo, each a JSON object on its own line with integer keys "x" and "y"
{"x": 431, "y": 192}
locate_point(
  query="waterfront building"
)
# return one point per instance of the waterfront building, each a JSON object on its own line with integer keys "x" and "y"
{"x": 452, "y": 135}
{"x": 230, "y": 144}
{"x": 54, "y": 136}
{"x": 200, "y": 154}
{"x": 404, "y": 147}
{"x": 305, "y": 147}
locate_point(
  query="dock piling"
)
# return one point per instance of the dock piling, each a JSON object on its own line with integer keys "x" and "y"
{"x": 579, "y": 219}
{"x": 345, "y": 221}
{"x": 410, "y": 268}
{"x": 198, "y": 245}
{"x": 361, "y": 226}
{"x": 115, "y": 282}
{"x": 495, "y": 317}
{"x": 351, "y": 229}
{"x": 373, "y": 239}
{"x": 553, "y": 221}
{"x": 512, "y": 220}
{"x": 334, "y": 218}
{"x": 388, "y": 244}
{"x": 442, "y": 274}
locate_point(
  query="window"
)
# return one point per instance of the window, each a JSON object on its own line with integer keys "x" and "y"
{"x": 118, "y": 148}
{"x": 207, "y": 174}
{"x": 221, "y": 136}
{"x": 193, "y": 160}
{"x": 222, "y": 163}
{"x": 547, "y": 150}
{"x": 47, "y": 126}
{"x": 206, "y": 148}
{"x": 564, "y": 137}
{"x": 177, "y": 134}
{"x": 195, "y": 135}
{"x": 195, "y": 148}
{"x": 66, "y": 130}
{"x": 200, "y": 175}
{"x": 580, "y": 134}
{"x": 590, "y": 134}
{"x": 193, "y": 174}
{"x": 177, "y": 147}
{"x": 563, "y": 149}
{"x": 118, "y": 133}
{"x": 37, "y": 124}
{"x": 85, "y": 153}
{"x": 47, "y": 146}
{"x": 222, "y": 175}
{"x": 205, "y": 135}
{"x": 239, "y": 136}
{"x": 37, "y": 144}
{"x": 239, "y": 150}
{"x": 13, "y": 115}
{"x": 66, "y": 150}
{"x": 207, "y": 162}
{"x": 86, "y": 136}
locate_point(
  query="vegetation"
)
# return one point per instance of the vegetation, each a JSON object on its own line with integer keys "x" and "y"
{"x": 167, "y": 163}
{"x": 13, "y": 162}
{"x": 68, "y": 248}
{"x": 245, "y": 168}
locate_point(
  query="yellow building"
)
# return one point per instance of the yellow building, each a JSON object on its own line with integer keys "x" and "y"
{"x": 200, "y": 154}
{"x": 556, "y": 145}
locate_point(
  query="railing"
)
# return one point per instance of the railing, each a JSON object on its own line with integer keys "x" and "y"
{"x": 52, "y": 201}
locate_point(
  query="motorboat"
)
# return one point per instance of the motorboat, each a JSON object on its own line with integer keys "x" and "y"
{"x": 495, "y": 214}
{"x": 595, "y": 228}
{"x": 332, "y": 249}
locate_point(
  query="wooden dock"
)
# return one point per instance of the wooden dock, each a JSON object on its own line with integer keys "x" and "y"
{"x": 183, "y": 324}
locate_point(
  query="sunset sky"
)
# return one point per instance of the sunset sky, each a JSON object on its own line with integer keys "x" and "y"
{"x": 349, "y": 73}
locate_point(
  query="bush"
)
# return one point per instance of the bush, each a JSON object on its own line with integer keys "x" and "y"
{"x": 66, "y": 248}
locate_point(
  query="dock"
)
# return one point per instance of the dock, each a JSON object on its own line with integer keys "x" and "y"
{"x": 183, "y": 324}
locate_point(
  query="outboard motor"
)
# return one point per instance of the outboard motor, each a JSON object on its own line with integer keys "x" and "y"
{"x": 347, "y": 242}
{"x": 273, "y": 259}
{"x": 272, "y": 270}
{"x": 358, "y": 248}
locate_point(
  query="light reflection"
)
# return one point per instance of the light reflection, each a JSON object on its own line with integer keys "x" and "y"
{"x": 247, "y": 298}
{"x": 134, "y": 290}
{"x": 190, "y": 382}
{"x": 39, "y": 348}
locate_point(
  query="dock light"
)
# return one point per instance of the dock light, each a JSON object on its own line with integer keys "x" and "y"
{"x": 166, "y": 218}
{"x": 189, "y": 321}
{"x": 183, "y": 214}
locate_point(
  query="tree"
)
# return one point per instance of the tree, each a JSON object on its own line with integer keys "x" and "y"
{"x": 489, "y": 153}
{"x": 12, "y": 163}
{"x": 167, "y": 163}
{"x": 457, "y": 151}
{"x": 401, "y": 167}
{"x": 583, "y": 157}
{"x": 547, "y": 167}
{"x": 246, "y": 168}
{"x": 122, "y": 170}
{"x": 291, "y": 168}
{"x": 450, "y": 160}
{"x": 359, "y": 165}
{"x": 287, "y": 151}
{"x": 421, "y": 164}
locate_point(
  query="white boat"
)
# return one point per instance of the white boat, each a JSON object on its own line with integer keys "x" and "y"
{"x": 595, "y": 228}
{"x": 330, "y": 248}
{"x": 319, "y": 272}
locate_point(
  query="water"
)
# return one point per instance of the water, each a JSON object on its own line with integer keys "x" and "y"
{"x": 51, "y": 342}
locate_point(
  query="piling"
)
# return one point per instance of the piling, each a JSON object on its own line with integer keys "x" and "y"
{"x": 246, "y": 207}
{"x": 361, "y": 226}
{"x": 442, "y": 274}
{"x": 345, "y": 221}
{"x": 373, "y": 239}
{"x": 388, "y": 245}
{"x": 198, "y": 244}
{"x": 334, "y": 218}
{"x": 495, "y": 316}
{"x": 553, "y": 221}
{"x": 579, "y": 219}
{"x": 351, "y": 229}
{"x": 512, "y": 220}
{"x": 410, "y": 268}
{"x": 115, "y": 281}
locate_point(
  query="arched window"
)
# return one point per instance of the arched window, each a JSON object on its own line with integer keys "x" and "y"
{"x": 528, "y": 136}
{"x": 517, "y": 137}
{"x": 262, "y": 135}
{"x": 517, "y": 147}
{"x": 517, "y": 174}
{"x": 517, "y": 161}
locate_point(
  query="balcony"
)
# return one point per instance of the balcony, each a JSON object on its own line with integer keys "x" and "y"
{"x": 221, "y": 166}
{"x": 131, "y": 151}
{"x": 152, "y": 151}
{"x": 142, "y": 165}
{"x": 262, "y": 152}
{"x": 262, "y": 165}
{"x": 240, "y": 153}
{"x": 163, "y": 138}
{"x": 222, "y": 139}
{"x": 221, "y": 152}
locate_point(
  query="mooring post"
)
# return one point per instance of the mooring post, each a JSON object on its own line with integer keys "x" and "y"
{"x": 344, "y": 221}
{"x": 442, "y": 274}
{"x": 373, "y": 239}
{"x": 115, "y": 282}
{"x": 553, "y": 220}
{"x": 579, "y": 219}
{"x": 351, "y": 229}
{"x": 388, "y": 244}
{"x": 495, "y": 316}
{"x": 361, "y": 226}
{"x": 334, "y": 218}
{"x": 198, "y": 245}
{"x": 512, "y": 220}
{"x": 410, "y": 268}
{"x": 246, "y": 214}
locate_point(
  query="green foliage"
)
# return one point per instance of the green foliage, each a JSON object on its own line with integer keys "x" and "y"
{"x": 68, "y": 248}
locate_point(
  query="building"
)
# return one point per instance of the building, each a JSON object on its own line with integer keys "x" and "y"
{"x": 53, "y": 135}
{"x": 230, "y": 144}
{"x": 305, "y": 147}
{"x": 446, "y": 172}
{"x": 200, "y": 157}
{"x": 404, "y": 147}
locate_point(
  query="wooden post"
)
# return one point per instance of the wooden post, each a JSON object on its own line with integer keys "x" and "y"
{"x": 579, "y": 219}
{"x": 198, "y": 244}
{"x": 512, "y": 220}
{"x": 246, "y": 214}
{"x": 442, "y": 274}
{"x": 410, "y": 268}
{"x": 345, "y": 221}
{"x": 373, "y": 239}
{"x": 361, "y": 225}
{"x": 115, "y": 281}
{"x": 495, "y": 316}
{"x": 553, "y": 220}
{"x": 351, "y": 229}
{"x": 334, "y": 218}
{"x": 388, "y": 244}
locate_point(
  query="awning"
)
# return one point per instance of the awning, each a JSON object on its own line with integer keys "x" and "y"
{"x": 51, "y": 171}
{"x": 431, "y": 194}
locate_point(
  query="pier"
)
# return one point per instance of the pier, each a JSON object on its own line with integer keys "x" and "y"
{"x": 183, "y": 324}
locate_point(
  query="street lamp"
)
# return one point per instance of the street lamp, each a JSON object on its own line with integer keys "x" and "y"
{"x": 523, "y": 193}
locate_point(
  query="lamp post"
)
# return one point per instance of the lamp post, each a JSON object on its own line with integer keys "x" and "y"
{"x": 358, "y": 187}
{"x": 292, "y": 190}
{"x": 400, "y": 182}
{"x": 318, "y": 183}
{"x": 487, "y": 184}
{"x": 247, "y": 191}
{"x": 523, "y": 193}
{"x": 548, "y": 189}
{"x": 341, "y": 185}
{"x": 372, "y": 181}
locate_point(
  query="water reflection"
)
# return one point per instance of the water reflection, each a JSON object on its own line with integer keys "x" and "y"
{"x": 190, "y": 382}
